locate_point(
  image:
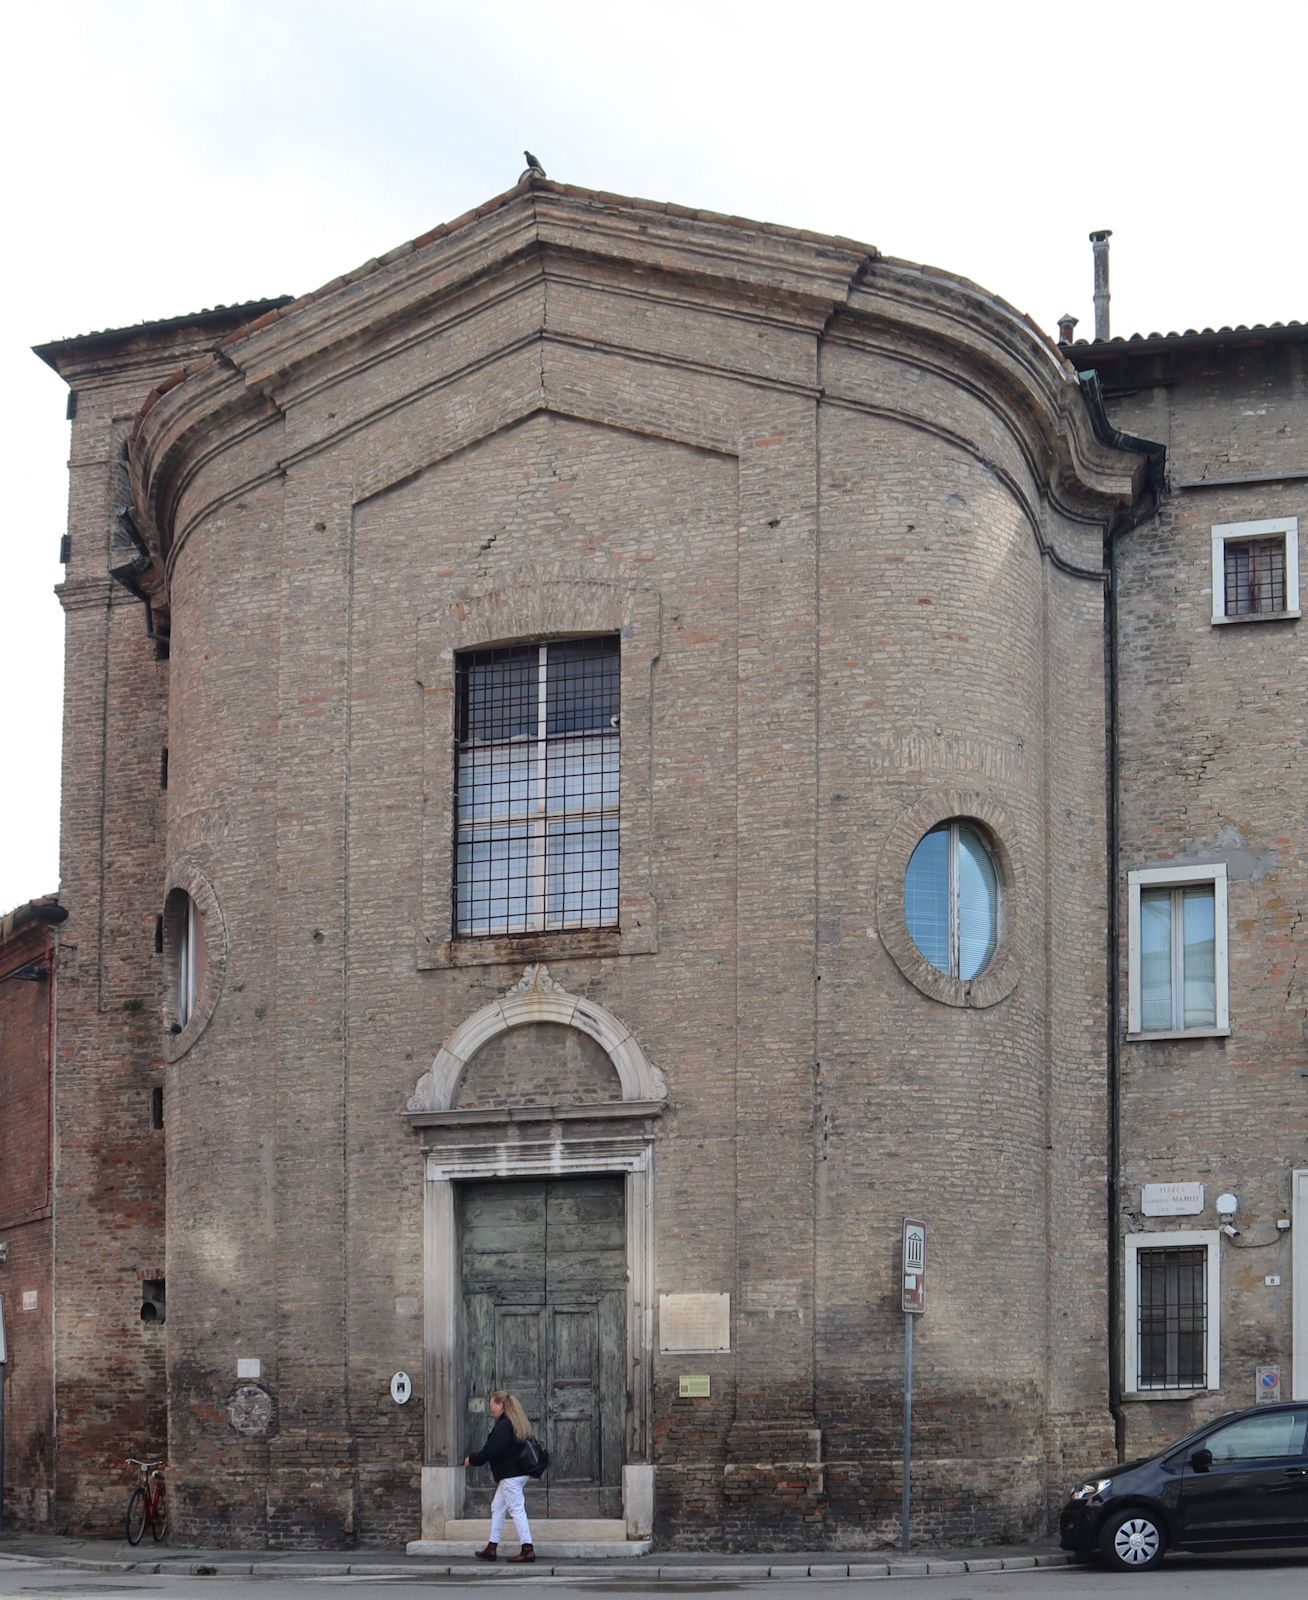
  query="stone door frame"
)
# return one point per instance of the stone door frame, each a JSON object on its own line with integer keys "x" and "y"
{"x": 533, "y": 1141}
{"x": 561, "y": 1157}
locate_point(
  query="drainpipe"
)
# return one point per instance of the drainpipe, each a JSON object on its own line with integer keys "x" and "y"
{"x": 127, "y": 572}
{"x": 1144, "y": 506}
{"x": 1115, "y": 1329}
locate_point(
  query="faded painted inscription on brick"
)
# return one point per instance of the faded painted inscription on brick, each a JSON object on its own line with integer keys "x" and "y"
{"x": 694, "y": 1322}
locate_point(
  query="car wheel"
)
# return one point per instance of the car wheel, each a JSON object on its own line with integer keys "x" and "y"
{"x": 1133, "y": 1540}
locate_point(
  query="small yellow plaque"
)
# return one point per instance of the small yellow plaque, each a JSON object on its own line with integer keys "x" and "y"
{"x": 695, "y": 1387}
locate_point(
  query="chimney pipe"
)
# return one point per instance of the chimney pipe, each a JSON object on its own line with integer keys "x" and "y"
{"x": 1065, "y": 325}
{"x": 1099, "y": 239}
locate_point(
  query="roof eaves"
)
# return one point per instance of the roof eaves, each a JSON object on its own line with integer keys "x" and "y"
{"x": 1080, "y": 351}
{"x": 44, "y": 909}
{"x": 208, "y": 318}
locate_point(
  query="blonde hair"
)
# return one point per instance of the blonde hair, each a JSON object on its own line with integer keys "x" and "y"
{"x": 514, "y": 1412}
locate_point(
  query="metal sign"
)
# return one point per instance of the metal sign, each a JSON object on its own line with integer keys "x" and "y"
{"x": 913, "y": 1287}
{"x": 401, "y": 1387}
{"x": 1268, "y": 1385}
{"x": 693, "y": 1386}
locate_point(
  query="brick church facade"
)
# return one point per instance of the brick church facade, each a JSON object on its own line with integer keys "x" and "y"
{"x": 610, "y": 755}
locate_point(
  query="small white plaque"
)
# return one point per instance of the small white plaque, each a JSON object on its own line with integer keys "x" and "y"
{"x": 30, "y": 1300}
{"x": 694, "y": 1322}
{"x": 401, "y": 1387}
{"x": 248, "y": 1367}
{"x": 1172, "y": 1199}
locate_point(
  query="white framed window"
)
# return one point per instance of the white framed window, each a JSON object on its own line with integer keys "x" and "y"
{"x": 189, "y": 956}
{"x": 1176, "y": 953}
{"x": 536, "y": 788}
{"x": 1256, "y": 570}
{"x": 952, "y": 900}
{"x": 1173, "y": 1311}
{"x": 188, "y": 950}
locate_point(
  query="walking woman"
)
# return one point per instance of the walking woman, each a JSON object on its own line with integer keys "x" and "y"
{"x": 500, "y": 1454}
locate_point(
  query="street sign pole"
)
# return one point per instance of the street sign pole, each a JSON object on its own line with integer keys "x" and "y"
{"x": 912, "y": 1280}
{"x": 908, "y": 1429}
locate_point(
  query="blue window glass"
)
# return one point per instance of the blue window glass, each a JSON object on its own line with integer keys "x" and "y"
{"x": 951, "y": 899}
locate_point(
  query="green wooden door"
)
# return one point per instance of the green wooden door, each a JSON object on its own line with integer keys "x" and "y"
{"x": 544, "y": 1290}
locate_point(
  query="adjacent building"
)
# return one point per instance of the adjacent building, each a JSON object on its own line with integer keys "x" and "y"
{"x": 618, "y": 753}
{"x": 29, "y": 959}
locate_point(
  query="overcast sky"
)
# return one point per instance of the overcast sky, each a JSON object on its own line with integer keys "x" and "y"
{"x": 163, "y": 157}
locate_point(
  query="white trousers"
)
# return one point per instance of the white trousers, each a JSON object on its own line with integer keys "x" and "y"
{"x": 508, "y": 1502}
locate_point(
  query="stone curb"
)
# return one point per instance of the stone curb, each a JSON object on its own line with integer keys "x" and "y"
{"x": 650, "y": 1567}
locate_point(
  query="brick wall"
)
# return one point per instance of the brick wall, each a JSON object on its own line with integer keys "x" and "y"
{"x": 872, "y": 559}
{"x": 28, "y": 963}
{"x": 1214, "y": 720}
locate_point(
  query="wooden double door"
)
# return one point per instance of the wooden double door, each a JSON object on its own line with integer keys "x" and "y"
{"x": 544, "y": 1265}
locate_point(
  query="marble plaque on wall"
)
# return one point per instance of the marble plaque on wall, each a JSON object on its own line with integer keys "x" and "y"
{"x": 689, "y": 1322}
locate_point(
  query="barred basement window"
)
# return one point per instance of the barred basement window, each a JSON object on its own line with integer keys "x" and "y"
{"x": 1255, "y": 576}
{"x": 1172, "y": 1318}
{"x": 536, "y": 788}
{"x": 1256, "y": 569}
{"x": 1173, "y": 1301}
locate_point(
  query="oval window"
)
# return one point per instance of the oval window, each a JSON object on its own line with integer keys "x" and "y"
{"x": 184, "y": 932}
{"x": 951, "y": 899}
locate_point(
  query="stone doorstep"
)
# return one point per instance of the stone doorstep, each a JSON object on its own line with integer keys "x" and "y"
{"x": 552, "y": 1549}
{"x": 550, "y": 1529}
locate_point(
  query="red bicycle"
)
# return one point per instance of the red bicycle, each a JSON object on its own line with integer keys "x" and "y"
{"x": 147, "y": 1504}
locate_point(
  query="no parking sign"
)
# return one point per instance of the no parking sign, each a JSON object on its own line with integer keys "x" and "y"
{"x": 1268, "y": 1384}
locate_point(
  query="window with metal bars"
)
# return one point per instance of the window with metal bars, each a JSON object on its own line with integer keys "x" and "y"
{"x": 1254, "y": 576}
{"x": 536, "y": 788}
{"x": 1172, "y": 1318}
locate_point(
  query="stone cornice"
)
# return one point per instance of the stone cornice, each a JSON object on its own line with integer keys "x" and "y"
{"x": 832, "y": 290}
{"x": 982, "y": 344}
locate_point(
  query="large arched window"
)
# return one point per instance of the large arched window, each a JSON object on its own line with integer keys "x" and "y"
{"x": 951, "y": 899}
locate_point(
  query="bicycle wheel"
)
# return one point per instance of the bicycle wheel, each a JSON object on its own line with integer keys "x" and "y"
{"x": 159, "y": 1527}
{"x": 136, "y": 1516}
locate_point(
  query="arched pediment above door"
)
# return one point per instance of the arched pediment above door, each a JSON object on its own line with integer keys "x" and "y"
{"x": 534, "y": 1000}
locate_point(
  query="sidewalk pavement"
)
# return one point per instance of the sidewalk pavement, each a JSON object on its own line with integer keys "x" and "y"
{"x": 109, "y": 1555}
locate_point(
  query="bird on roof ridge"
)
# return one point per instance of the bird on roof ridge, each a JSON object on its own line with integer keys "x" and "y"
{"x": 534, "y": 168}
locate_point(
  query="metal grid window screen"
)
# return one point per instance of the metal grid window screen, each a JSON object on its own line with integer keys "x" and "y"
{"x": 1173, "y": 1318}
{"x": 536, "y": 805}
{"x": 1255, "y": 576}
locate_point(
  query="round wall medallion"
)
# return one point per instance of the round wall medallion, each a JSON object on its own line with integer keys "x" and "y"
{"x": 252, "y": 1411}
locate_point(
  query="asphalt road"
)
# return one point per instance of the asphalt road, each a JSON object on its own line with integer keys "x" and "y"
{"x": 1179, "y": 1578}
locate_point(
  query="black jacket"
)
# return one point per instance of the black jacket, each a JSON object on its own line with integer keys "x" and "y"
{"x": 500, "y": 1452}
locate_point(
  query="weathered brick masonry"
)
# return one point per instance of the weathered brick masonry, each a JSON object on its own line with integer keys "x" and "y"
{"x": 28, "y": 966}
{"x": 1213, "y": 731}
{"x": 847, "y": 518}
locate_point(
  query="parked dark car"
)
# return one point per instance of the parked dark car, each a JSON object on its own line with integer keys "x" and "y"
{"x": 1240, "y": 1480}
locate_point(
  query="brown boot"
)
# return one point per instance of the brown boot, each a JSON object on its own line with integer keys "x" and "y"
{"x": 488, "y": 1554}
{"x": 527, "y": 1553}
